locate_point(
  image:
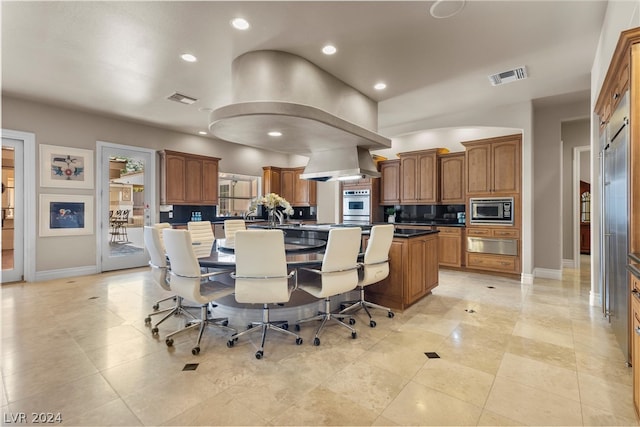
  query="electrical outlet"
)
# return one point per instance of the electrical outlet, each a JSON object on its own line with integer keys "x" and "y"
{"x": 170, "y": 214}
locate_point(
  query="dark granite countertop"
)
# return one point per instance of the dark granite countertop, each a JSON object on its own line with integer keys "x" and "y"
{"x": 429, "y": 223}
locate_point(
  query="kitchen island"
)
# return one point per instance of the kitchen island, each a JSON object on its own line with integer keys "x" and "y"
{"x": 413, "y": 262}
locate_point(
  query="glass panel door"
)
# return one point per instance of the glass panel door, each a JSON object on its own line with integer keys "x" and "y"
{"x": 127, "y": 179}
{"x": 12, "y": 215}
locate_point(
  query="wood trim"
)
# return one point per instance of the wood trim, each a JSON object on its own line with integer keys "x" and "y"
{"x": 634, "y": 152}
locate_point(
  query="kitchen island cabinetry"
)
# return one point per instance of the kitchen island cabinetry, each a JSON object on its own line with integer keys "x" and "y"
{"x": 413, "y": 271}
{"x": 390, "y": 182}
{"x": 287, "y": 183}
{"x": 452, "y": 170}
{"x": 493, "y": 166}
{"x": 188, "y": 179}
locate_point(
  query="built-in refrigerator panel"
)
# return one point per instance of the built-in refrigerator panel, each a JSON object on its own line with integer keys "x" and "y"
{"x": 615, "y": 245}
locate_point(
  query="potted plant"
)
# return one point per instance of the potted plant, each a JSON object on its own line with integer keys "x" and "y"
{"x": 391, "y": 215}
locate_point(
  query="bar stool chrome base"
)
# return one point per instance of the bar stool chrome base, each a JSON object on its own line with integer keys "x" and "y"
{"x": 326, "y": 316}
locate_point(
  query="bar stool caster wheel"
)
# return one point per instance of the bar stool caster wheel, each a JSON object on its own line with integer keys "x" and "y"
{"x": 352, "y": 321}
{"x": 195, "y": 351}
{"x": 225, "y": 323}
{"x": 316, "y": 341}
{"x": 285, "y": 326}
{"x": 154, "y": 331}
{"x": 297, "y": 328}
{"x": 169, "y": 342}
{"x": 147, "y": 320}
{"x": 259, "y": 354}
{"x": 298, "y": 341}
{"x": 372, "y": 323}
{"x": 231, "y": 343}
{"x": 156, "y": 307}
{"x": 354, "y": 335}
{"x": 390, "y": 314}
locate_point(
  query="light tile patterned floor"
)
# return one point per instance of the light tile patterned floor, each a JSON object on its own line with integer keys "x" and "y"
{"x": 510, "y": 354}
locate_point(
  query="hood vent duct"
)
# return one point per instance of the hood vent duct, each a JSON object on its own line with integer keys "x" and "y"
{"x": 340, "y": 164}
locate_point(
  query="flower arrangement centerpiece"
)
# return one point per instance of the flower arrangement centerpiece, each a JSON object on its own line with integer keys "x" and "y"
{"x": 277, "y": 207}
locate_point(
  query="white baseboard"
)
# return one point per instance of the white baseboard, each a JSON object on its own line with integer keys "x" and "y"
{"x": 66, "y": 272}
{"x": 547, "y": 273}
{"x": 526, "y": 279}
{"x": 569, "y": 263}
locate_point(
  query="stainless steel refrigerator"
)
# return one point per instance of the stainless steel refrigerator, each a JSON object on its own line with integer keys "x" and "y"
{"x": 615, "y": 224}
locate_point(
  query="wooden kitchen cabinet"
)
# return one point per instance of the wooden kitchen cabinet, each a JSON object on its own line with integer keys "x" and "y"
{"x": 188, "y": 179}
{"x": 271, "y": 180}
{"x": 494, "y": 262}
{"x": 451, "y": 246}
{"x": 493, "y": 166}
{"x": 635, "y": 339}
{"x": 304, "y": 191}
{"x": 419, "y": 177}
{"x": 452, "y": 171}
{"x": 286, "y": 182}
{"x": 413, "y": 272}
{"x": 390, "y": 182}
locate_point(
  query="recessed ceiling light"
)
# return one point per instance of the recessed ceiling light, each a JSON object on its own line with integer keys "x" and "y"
{"x": 240, "y": 24}
{"x": 202, "y": 132}
{"x": 446, "y": 8}
{"x": 188, "y": 57}
{"x": 329, "y": 49}
{"x": 380, "y": 86}
{"x": 275, "y": 133}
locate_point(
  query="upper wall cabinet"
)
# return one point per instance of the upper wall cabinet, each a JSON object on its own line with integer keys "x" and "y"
{"x": 493, "y": 166}
{"x": 188, "y": 179}
{"x": 287, "y": 183}
{"x": 419, "y": 177}
{"x": 390, "y": 182}
{"x": 452, "y": 172}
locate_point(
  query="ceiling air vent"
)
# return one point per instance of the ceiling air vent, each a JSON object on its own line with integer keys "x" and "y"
{"x": 519, "y": 73}
{"x": 183, "y": 99}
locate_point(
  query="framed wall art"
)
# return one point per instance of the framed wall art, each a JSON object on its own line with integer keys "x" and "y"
{"x": 65, "y": 167}
{"x": 65, "y": 215}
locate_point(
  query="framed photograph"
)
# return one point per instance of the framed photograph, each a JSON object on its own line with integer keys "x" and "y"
{"x": 65, "y": 167}
{"x": 65, "y": 215}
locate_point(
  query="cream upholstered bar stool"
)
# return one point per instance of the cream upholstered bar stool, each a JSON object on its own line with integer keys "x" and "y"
{"x": 261, "y": 277}
{"x": 339, "y": 274}
{"x": 374, "y": 269}
{"x": 188, "y": 283}
{"x": 202, "y": 237}
{"x": 159, "y": 272}
{"x": 231, "y": 226}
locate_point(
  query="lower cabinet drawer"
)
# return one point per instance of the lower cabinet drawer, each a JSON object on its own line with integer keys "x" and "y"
{"x": 502, "y": 263}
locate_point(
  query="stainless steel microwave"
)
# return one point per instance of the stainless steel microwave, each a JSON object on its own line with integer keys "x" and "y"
{"x": 491, "y": 210}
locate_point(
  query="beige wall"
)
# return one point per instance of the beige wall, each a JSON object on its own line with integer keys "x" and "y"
{"x": 574, "y": 133}
{"x": 71, "y": 128}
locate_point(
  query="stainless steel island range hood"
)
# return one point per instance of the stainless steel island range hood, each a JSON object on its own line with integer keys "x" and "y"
{"x": 340, "y": 164}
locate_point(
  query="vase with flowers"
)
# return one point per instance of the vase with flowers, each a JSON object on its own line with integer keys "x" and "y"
{"x": 277, "y": 208}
